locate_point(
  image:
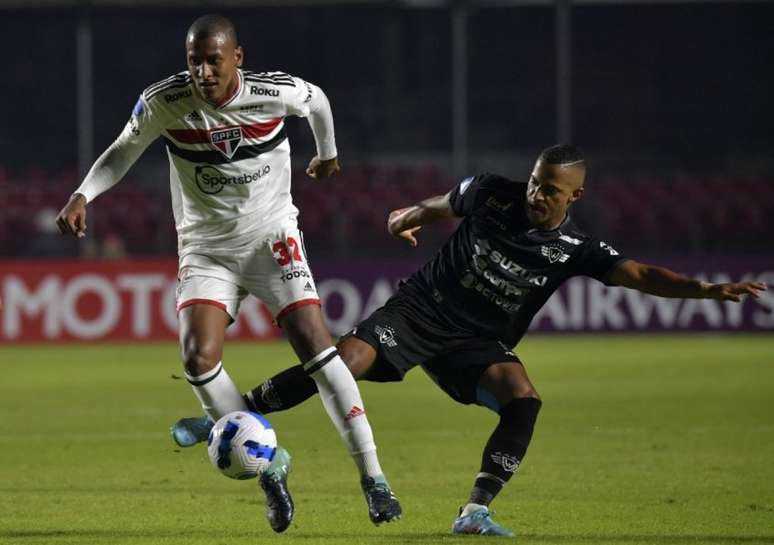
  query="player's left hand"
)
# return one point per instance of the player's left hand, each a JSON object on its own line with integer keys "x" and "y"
{"x": 320, "y": 169}
{"x": 733, "y": 291}
{"x": 396, "y": 226}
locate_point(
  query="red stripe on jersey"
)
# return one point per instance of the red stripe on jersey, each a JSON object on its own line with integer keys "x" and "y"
{"x": 202, "y": 136}
{"x": 190, "y": 136}
{"x": 258, "y": 130}
{"x": 234, "y": 94}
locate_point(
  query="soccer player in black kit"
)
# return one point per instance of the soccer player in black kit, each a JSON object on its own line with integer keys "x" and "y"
{"x": 460, "y": 315}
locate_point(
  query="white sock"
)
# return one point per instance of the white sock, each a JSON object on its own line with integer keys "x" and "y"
{"x": 342, "y": 401}
{"x": 472, "y": 508}
{"x": 217, "y": 392}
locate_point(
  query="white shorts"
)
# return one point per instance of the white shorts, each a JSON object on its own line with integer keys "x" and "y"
{"x": 274, "y": 270}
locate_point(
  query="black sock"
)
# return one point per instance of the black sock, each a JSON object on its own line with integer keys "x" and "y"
{"x": 282, "y": 391}
{"x": 505, "y": 449}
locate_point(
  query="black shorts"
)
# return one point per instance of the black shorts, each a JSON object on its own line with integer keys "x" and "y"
{"x": 404, "y": 339}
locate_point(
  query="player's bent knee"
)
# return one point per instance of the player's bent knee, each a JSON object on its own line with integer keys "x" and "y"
{"x": 508, "y": 381}
{"x": 524, "y": 391}
{"x": 358, "y": 355}
{"x": 518, "y": 386}
{"x": 511, "y": 392}
{"x": 199, "y": 358}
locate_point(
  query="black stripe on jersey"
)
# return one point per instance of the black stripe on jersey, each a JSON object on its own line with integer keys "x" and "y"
{"x": 167, "y": 88}
{"x": 217, "y": 158}
{"x": 174, "y": 79}
{"x": 272, "y": 78}
{"x": 269, "y": 78}
{"x": 263, "y": 77}
{"x": 177, "y": 78}
{"x": 161, "y": 83}
{"x": 269, "y": 82}
{"x": 278, "y": 75}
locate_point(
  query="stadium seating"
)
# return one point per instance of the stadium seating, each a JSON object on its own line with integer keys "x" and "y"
{"x": 640, "y": 214}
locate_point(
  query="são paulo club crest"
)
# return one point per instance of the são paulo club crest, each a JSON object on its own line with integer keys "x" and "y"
{"x": 227, "y": 140}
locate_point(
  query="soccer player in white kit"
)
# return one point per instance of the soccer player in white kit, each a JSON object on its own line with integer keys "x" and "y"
{"x": 229, "y": 158}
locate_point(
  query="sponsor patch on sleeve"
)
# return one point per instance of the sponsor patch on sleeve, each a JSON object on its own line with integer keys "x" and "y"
{"x": 139, "y": 108}
{"x": 606, "y": 246}
{"x": 308, "y": 93}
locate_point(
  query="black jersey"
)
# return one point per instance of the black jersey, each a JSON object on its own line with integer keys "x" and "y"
{"x": 496, "y": 271}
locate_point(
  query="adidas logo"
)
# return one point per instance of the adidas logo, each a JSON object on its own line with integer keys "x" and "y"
{"x": 194, "y": 116}
{"x": 308, "y": 287}
{"x": 354, "y": 412}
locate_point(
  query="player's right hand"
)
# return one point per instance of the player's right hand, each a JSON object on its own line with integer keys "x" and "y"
{"x": 72, "y": 218}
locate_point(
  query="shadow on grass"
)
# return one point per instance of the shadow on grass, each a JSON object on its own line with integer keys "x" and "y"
{"x": 215, "y": 533}
{"x": 351, "y": 537}
{"x": 656, "y": 539}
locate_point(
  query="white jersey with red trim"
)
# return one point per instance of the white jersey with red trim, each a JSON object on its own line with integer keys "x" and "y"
{"x": 230, "y": 164}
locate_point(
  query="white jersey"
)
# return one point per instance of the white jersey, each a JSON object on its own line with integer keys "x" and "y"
{"x": 230, "y": 164}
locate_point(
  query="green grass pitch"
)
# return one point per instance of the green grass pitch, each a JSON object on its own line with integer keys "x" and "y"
{"x": 641, "y": 440}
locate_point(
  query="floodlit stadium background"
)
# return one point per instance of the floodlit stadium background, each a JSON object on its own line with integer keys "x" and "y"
{"x": 671, "y": 103}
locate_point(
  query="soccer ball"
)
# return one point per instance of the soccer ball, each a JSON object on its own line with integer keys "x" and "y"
{"x": 242, "y": 444}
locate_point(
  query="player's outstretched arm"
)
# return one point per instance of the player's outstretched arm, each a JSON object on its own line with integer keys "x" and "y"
{"x": 667, "y": 283}
{"x": 404, "y": 222}
{"x": 106, "y": 172}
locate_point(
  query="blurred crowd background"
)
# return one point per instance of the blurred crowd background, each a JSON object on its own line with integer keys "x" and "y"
{"x": 670, "y": 102}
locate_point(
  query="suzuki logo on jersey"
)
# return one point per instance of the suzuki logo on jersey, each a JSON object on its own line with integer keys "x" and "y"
{"x": 227, "y": 140}
{"x": 485, "y": 255}
{"x": 554, "y": 254}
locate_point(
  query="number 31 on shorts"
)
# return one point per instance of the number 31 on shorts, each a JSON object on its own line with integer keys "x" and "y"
{"x": 285, "y": 252}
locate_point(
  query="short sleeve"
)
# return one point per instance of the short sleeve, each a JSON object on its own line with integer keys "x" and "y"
{"x": 466, "y": 196}
{"x": 598, "y": 260}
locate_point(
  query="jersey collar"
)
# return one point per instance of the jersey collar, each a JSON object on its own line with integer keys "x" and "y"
{"x": 238, "y": 90}
{"x": 556, "y": 229}
{"x": 228, "y": 100}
